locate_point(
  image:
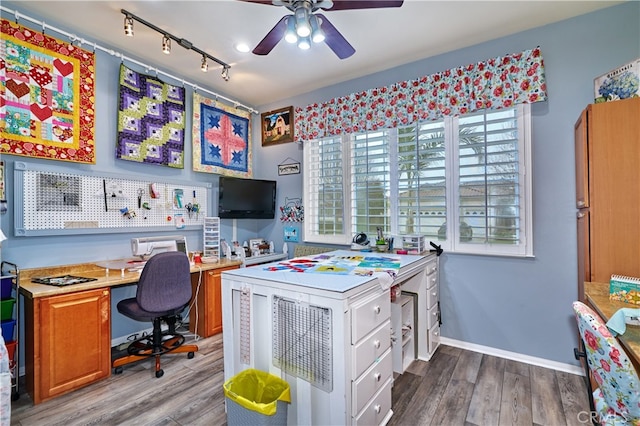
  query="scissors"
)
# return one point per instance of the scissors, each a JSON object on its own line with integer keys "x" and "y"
{"x": 140, "y": 192}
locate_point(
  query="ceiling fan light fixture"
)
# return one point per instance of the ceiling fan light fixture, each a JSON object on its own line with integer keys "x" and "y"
{"x": 290, "y": 34}
{"x": 317, "y": 35}
{"x": 166, "y": 45}
{"x": 304, "y": 43}
{"x": 303, "y": 29}
{"x": 128, "y": 26}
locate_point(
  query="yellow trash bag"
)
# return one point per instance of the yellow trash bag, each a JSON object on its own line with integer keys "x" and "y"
{"x": 257, "y": 391}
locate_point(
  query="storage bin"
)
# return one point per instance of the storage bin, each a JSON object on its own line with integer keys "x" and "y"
{"x": 8, "y": 327}
{"x": 7, "y": 308}
{"x": 11, "y": 351}
{"x": 254, "y": 397}
{"x": 6, "y": 287}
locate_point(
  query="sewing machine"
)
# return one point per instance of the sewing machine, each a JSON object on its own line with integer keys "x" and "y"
{"x": 145, "y": 247}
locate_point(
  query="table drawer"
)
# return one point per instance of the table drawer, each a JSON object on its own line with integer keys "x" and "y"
{"x": 370, "y": 382}
{"x": 432, "y": 297}
{"x": 369, "y": 315}
{"x": 434, "y": 338}
{"x": 432, "y": 280}
{"x": 433, "y": 315}
{"x": 371, "y": 348}
{"x": 378, "y": 408}
{"x": 432, "y": 267}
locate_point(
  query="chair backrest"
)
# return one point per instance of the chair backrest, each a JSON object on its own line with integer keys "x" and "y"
{"x": 609, "y": 364}
{"x": 165, "y": 282}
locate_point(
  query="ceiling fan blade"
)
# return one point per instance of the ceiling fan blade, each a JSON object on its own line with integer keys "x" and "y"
{"x": 364, "y": 4}
{"x": 334, "y": 39}
{"x": 272, "y": 38}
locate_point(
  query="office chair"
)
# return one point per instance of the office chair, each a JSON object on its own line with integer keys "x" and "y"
{"x": 617, "y": 398}
{"x": 164, "y": 290}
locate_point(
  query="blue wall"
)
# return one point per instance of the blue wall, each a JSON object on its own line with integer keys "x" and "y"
{"x": 512, "y": 304}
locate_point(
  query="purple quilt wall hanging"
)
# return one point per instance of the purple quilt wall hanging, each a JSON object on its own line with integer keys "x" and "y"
{"x": 151, "y": 120}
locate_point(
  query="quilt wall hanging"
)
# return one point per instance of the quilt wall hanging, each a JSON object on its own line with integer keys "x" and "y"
{"x": 221, "y": 138}
{"x": 151, "y": 117}
{"x": 46, "y": 96}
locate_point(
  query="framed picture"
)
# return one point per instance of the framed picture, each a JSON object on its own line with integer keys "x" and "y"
{"x": 277, "y": 126}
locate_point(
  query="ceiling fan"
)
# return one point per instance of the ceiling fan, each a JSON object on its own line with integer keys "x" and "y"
{"x": 304, "y": 25}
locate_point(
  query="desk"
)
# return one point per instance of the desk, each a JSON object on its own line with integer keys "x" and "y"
{"x": 68, "y": 329}
{"x": 597, "y": 295}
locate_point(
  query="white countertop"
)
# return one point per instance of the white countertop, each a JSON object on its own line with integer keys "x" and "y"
{"x": 324, "y": 281}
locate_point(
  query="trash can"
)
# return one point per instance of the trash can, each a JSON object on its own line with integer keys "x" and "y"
{"x": 255, "y": 397}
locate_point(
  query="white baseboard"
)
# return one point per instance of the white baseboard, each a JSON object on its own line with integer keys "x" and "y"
{"x": 540, "y": 362}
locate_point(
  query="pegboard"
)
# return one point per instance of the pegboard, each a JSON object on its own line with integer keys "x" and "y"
{"x": 57, "y": 203}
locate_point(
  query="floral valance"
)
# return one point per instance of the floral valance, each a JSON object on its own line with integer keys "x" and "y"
{"x": 493, "y": 84}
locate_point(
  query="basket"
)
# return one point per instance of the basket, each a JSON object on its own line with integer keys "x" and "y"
{"x": 7, "y": 308}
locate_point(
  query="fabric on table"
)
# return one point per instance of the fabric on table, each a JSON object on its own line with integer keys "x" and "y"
{"x": 617, "y": 324}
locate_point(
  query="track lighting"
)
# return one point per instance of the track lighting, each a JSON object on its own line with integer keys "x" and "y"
{"x": 204, "y": 66}
{"x": 166, "y": 45}
{"x": 166, "y": 42}
{"x": 128, "y": 26}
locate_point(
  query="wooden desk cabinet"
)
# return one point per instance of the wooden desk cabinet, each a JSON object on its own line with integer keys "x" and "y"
{"x": 207, "y": 319}
{"x": 68, "y": 342}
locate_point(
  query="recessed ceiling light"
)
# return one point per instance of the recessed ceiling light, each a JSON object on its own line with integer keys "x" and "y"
{"x": 242, "y": 47}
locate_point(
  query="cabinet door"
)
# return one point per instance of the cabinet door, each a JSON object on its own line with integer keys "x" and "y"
{"x": 214, "y": 284}
{"x": 75, "y": 342}
{"x": 614, "y": 188}
{"x": 584, "y": 264}
{"x": 206, "y": 320}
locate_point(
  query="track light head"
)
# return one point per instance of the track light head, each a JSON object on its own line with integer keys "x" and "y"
{"x": 225, "y": 73}
{"x": 128, "y": 26}
{"x": 204, "y": 66}
{"x": 166, "y": 45}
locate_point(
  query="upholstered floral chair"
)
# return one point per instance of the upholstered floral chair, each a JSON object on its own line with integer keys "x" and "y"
{"x": 617, "y": 398}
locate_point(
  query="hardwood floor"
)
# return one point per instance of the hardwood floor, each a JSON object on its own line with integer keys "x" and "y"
{"x": 456, "y": 387}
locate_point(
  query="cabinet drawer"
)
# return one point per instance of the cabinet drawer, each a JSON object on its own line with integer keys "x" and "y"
{"x": 432, "y": 280}
{"x": 370, "y": 382}
{"x": 378, "y": 408}
{"x": 432, "y": 267}
{"x": 371, "y": 348}
{"x": 432, "y": 296}
{"x": 432, "y": 316}
{"x": 370, "y": 314}
{"x": 434, "y": 339}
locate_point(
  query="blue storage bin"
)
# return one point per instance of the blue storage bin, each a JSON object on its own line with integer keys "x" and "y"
{"x": 8, "y": 327}
{"x": 6, "y": 287}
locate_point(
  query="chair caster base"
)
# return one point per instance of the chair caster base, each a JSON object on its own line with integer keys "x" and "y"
{"x": 118, "y": 370}
{"x": 190, "y": 355}
{"x": 159, "y": 373}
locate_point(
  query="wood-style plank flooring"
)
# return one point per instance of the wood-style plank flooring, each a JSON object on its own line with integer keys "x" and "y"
{"x": 456, "y": 387}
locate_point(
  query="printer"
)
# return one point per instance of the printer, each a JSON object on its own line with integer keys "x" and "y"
{"x": 145, "y": 247}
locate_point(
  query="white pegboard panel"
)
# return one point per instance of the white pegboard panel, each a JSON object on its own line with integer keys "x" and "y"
{"x": 54, "y": 202}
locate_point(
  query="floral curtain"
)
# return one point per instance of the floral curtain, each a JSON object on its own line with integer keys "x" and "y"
{"x": 493, "y": 84}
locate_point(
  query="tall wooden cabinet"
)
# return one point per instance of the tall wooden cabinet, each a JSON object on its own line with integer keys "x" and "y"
{"x": 607, "y": 143}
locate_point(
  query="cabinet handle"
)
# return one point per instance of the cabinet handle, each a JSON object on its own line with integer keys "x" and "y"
{"x": 376, "y": 309}
{"x": 580, "y": 215}
{"x": 377, "y": 376}
{"x": 580, "y": 203}
{"x": 434, "y": 293}
{"x": 376, "y": 344}
{"x": 377, "y": 408}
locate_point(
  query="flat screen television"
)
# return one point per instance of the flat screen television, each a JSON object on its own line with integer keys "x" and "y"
{"x": 246, "y": 198}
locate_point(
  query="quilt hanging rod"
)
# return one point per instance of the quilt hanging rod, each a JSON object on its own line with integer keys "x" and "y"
{"x": 73, "y": 38}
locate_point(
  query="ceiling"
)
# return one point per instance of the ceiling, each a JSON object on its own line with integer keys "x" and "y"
{"x": 383, "y": 38}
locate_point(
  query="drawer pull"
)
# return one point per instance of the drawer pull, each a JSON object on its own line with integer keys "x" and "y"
{"x": 377, "y": 408}
{"x": 376, "y": 344}
{"x": 377, "y": 376}
{"x": 377, "y": 309}
{"x": 434, "y": 293}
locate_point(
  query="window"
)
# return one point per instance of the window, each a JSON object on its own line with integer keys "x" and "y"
{"x": 461, "y": 181}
